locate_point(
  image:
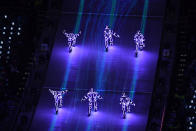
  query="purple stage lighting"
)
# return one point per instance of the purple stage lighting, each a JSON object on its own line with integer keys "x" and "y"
{"x": 92, "y": 97}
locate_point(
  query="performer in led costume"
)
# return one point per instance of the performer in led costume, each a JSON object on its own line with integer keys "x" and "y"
{"x": 58, "y": 98}
{"x": 71, "y": 39}
{"x": 126, "y": 103}
{"x": 92, "y": 97}
{"x": 139, "y": 41}
{"x": 108, "y": 33}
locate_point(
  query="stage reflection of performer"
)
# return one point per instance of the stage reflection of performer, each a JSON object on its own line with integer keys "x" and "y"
{"x": 92, "y": 98}
{"x": 71, "y": 37}
{"x": 58, "y": 98}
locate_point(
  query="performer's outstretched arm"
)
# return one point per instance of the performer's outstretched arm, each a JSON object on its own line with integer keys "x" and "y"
{"x": 51, "y": 91}
{"x": 78, "y": 34}
{"x": 84, "y": 98}
{"x": 116, "y": 35}
{"x": 99, "y": 97}
{"x": 65, "y": 33}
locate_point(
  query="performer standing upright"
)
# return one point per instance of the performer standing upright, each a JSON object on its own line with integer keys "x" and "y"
{"x": 92, "y": 97}
{"x": 71, "y": 39}
{"x": 58, "y": 98}
{"x": 108, "y": 33}
{"x": 139, "y": 41}
{"x": 126, "y": 103}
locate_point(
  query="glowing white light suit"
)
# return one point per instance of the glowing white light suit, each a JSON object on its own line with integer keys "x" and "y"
{"x": 126, "y": 103}
{"x": 92, "y": 97}
{"x": 108, "y": 33}
{"x": 71, "y": 37}
{"x": 139, "y": 41}
{"x": 58, "y": 98}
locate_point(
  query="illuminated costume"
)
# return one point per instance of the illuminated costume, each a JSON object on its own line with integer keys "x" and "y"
{"x": 139, "y": 41}
{"x": 71, "y": 37}
{"x": 92, "y": 97}
{"x": 108, "y": 33}
{"x": 126, "y": 103}
{"x": 58, "y": 98}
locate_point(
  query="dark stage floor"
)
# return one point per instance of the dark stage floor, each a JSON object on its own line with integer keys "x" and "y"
{"x": 89, "y": 66}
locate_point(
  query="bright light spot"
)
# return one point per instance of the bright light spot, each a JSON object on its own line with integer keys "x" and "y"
{"x": 11, "y": 28}
{"x": 0, "y": 47}
{"x": 191, "y": 101}
{"x": 9, "y": 47}
{"x": 11, "y": 33}
{"x": 4, "y": 33}
{"x": 8, "y": 52}
{"x": 0, "y": 52}
{"x": 190, "y": 127}
{"x": 10, "y": 38}
{"x": 18, "y": 33}
{"x": 190, "y": 106}
{"x": 191, "y": 123}
{"x": 19, "y": 28}
{"x": 12, "y": 23}
{"x": 4, "y": 28}
{"x": 1, "y": 42}
{"x": 5, "y": 16}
